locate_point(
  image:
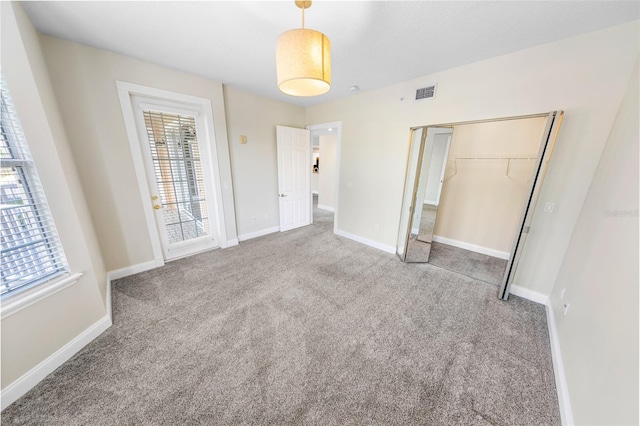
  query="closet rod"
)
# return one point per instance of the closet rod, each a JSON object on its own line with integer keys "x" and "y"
{"x": 455, "y": 164}
{"x": 493, "y": 158}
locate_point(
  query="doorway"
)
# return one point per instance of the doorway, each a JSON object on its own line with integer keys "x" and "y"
{"x": 493, "y": 174}
{"x": 175, "y": 156}
{"x": 326, "y": 139}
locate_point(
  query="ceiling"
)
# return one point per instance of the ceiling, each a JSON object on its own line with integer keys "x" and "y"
{"x": 374, "y": 43}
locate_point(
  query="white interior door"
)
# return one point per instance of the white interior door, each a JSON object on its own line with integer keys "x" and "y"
{"x": 178, "y": 170}
{"x": 294, "y": 177}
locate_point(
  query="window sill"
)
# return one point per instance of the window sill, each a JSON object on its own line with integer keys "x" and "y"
{"x": 28, "y": 297}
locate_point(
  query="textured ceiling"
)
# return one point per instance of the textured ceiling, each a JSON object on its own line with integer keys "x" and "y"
{"x": 374, "y": 44}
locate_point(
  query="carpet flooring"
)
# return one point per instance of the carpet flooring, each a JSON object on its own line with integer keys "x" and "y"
{"x": 304, "y": 327}
{"x": 474, "y": 265}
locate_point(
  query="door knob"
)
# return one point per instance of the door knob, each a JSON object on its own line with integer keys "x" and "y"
{"x": 155, "y": 197}
{"x": 157, "y": 207}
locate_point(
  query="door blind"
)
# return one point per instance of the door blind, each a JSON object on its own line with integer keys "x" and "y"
{"x": 178, "y": 172}
{"x": 30, "y": 251}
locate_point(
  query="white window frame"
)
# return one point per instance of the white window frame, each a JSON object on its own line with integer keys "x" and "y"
{"x": 24, "y": 296}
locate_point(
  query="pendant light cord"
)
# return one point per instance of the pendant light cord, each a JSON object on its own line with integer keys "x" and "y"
{"x": 303, "y": 4}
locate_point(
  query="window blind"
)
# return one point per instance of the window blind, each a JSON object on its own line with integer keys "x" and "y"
{"x": 30, "y": 250}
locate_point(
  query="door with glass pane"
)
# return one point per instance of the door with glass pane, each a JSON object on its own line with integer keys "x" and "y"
{"x": 177, "y": 165}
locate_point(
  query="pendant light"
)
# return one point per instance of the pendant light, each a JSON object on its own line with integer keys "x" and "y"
{"x": 303, "y": 60}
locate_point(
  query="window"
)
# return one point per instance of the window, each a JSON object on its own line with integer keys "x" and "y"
{"x": 30, "y": 251}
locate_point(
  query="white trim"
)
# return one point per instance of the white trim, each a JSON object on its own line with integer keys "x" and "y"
{"x": 471, "y": 247}
{"x": 525, "y": 293}
{"x": 250, "y": 235}
{"x": 125, "y": 90}
{"x": 32, "y": 377}
{"x": 338, "y": 126}
{"x": 135, "y": 269}
{"x": 17, "y": 302}
{"x": 233, "y": 242}
{"x": 366, "y": 241}
{"x": 323, "y": 207}
{"x": 566, "y": 413}
{"x": 314, "y": 192}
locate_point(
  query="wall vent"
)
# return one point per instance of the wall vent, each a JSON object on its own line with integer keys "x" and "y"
{"x": 425, "y": 93}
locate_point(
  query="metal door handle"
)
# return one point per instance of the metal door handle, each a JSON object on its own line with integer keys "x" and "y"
{"x": 157, "y": 207}
{"x": 283, "y": 195}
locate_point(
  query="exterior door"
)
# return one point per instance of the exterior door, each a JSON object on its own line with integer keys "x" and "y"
{"x": 178, "y": 174}
{"x": 294, "y": 177}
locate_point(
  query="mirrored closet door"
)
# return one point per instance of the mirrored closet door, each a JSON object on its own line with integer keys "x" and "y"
{"x": 470, "y": 193}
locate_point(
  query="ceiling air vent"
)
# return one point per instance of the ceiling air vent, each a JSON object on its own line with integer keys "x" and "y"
{"x": 425, "y": 93}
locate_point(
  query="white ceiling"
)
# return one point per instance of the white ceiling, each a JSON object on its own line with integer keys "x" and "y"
{"x": 374, "y": 43}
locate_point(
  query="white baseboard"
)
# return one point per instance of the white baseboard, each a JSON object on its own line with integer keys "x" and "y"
{"x": 134, "y": 269}
{"x": 525, "y": 293}
{"x": 366, "y": 241}
{"x": 31, "y": 378}
{"x": 323, "y": 207}
{"x": 250, "y": 235}
{"x": 231, "y": 243}
{"x": 471, "y": 247}
{"x": 566, "y": 413}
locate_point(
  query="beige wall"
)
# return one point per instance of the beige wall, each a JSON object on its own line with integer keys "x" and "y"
{"x": 34, "y": 333}
{"x": 599, "y": 334}
{"x": 584, "y": 76}
{"x": 255, "y": 164}
{"x": 480, "y": 204}
{"x": 85, "y": 82}
{"x": 327, "y": 175}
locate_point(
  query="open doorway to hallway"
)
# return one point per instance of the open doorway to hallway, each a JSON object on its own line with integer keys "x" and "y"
{"x": 325, "y": 141}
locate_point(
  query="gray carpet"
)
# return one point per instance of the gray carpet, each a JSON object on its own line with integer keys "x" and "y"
{"x": 304, "y": 327}
{"x": 475, "y": 265}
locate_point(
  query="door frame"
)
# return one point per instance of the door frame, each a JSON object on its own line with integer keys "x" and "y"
{"x": 217, "y": 220}
{"x": 205, "y": 242}
{"x": 338, "y": 126}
